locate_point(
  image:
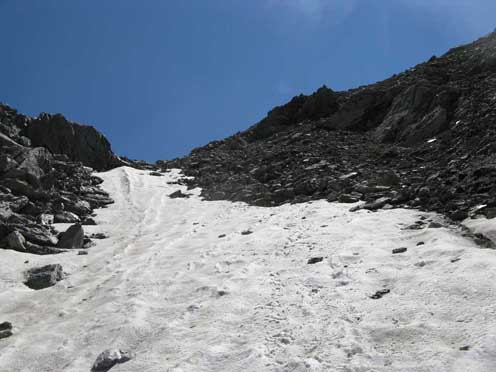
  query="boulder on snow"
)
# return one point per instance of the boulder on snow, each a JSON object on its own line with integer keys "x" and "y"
{"x": 44, "y": 277}
{"x": 72, "y": 238}
{"x": 110, "y": 358}
{"x": 5, "y": 330}
{"x": 178, "y": 194}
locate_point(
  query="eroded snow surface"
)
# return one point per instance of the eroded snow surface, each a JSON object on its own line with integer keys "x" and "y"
{"x": 167, "y": 288}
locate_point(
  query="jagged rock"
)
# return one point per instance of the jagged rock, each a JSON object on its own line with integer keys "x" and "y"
{"x": 380, "y": 293}
{"x": 318, "y": 105}
{"x": 89, "y": 221}
{"x": 37, "y": 234}
{"x": 88, "y": 243}
{"x": 42, "y": 249}
{"x": 79, "y": 207}
{"x": 44, "y": 277}
{"x": 32, "y": 166}
{"x": 376, "y": 204}
{"x": 97, "y": 201}
{"x": 5, "y": 330}
{"x": 16, "y": 241}
{"x": 20, "y": 187}
{"x": 178, "y": 194}
{"x": 78, "y": 142}
{"x": 346, "y": 198}
{"x": 14, "y": 203}
{"x": 109, "y": 358}
{"x": 6, "y": 163}
{"x": 72, "y": 238}
{"x": 66, "y": 217}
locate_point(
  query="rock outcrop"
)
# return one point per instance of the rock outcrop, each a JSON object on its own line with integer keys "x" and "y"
{"x": 79, "y": 142}
{"x": 41, "y": 185}
{"x": 424, "y": 138}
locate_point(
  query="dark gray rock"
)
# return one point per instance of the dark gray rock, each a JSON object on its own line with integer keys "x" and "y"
{"x": 20, "y": 187}
{"x": 88, "y": 221}
{"x": 78, "y": 207}
{"x": 33, "y": 163}
{"x": 16, "y": 241}
{"x": 79, "y": 142}
{"x": 346, "y": 198}
{"x": 88, "y": 243}
{"x": 44, "y": 277}
{"x": 42, "y": 249}
{"x": 376, "y": 204}
{"x": 178, "y": 194}
{"x": 72, "y": 238}
{"x": 7, "y": 163}
{"x": 37, "y": 234}
{"x": 14, "y": 203}
{"x": 109, "y": 358}
{"x": 5, "y": 330}
{"x": 314, "y": 260}
{"x": 380, "y": 293}
{"x": 399, "y": 250}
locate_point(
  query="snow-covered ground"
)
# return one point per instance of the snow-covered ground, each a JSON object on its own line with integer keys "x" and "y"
{"x": 166, "y": 287}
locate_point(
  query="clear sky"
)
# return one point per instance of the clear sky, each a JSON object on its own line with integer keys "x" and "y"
{"x": 160, "y": 77}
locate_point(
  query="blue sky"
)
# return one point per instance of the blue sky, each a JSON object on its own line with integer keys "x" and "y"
{"x": 160, "y": 77}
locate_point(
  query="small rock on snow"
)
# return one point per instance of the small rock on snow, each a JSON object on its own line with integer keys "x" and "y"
{"x": 314, "y": 260}
{"x": 110, "y": 358}
{"x": 379, "y": 294}
{"x": 5, "y": 329}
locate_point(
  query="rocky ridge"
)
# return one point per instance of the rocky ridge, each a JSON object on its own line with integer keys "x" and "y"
{"x": 425, "y": 138}
{"x": 46, "y": 166}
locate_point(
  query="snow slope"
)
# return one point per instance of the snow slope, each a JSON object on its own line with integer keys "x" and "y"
{"x": 166, "y": 287}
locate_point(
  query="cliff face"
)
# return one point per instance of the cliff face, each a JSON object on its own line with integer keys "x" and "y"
{"x": 425, "y": 138}
{"x": 79, "y": 142}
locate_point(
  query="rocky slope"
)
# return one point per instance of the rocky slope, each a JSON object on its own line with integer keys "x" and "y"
{"x": 45, "y": 177}
{"x": 424, "y": 138}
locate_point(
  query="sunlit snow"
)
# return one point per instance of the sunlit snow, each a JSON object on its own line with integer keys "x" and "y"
{"x": 169, "y": 288}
